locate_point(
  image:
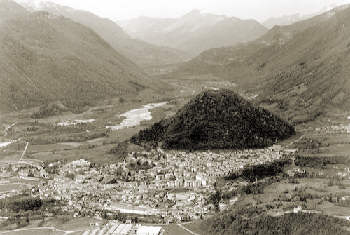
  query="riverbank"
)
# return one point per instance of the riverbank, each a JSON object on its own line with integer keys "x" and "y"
{"x": 135, "y": 116}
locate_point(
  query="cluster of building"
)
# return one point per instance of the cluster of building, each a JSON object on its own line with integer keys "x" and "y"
{"x": 16, "y": 176}
{"x": 170, "y": 184}
{"x": 335, "y": 129}
{"x": 75, "y": 122}
{"x": 114, "y": 227}
{"x": 22, "y": 169}
{"x": 345, "y": 173}
{"x": 201, "y": 169}
{"x": 295, "y": 210}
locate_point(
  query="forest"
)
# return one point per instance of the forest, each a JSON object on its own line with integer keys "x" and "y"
{"x": 257, "y": 172}
{"x": 217, "y": 120}
{"x": 237, "y": 222}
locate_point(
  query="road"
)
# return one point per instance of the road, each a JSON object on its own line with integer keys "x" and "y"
{"x": 24, "y": 152}
{"x": 41, "y": 228}
{"x": 187, "y": 230}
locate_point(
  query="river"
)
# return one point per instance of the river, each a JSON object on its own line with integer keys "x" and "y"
{"x": 132, "y": 118}
{"x": 135, "y": 116}
{"x": 4, "y": 144}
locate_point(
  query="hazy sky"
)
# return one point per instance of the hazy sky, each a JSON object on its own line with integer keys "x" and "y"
{"x": 257, "y": 9}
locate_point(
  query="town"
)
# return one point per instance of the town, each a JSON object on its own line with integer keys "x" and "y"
{"x": 163, "y": 186}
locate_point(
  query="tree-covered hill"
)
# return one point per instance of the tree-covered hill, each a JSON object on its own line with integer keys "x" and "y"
{"x": 217, "y": 120}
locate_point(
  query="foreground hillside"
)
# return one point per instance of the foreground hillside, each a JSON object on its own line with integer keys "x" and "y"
{"x": 195, "y": 31}
{"x": 47, "y": 58}
{"x": 293, "y": 224}
{"x": 142, "y": 53}
{"x": 299, "y": 71}
{"x": 214, "y": 120}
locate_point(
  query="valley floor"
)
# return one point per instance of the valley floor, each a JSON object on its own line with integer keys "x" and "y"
{"x": 318, "y": 182}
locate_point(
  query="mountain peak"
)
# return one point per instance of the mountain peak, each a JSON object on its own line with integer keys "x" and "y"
{"x": 192, "y": 15}
{"x": 194, "y": 12}
{"x": 10, "y": 9}
{"x": 9, "y": 4}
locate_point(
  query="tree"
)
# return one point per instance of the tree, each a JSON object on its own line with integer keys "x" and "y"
{"x": 216, "y": 199}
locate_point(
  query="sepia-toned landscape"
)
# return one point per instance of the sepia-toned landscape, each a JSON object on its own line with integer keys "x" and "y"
{"x": 198, "y": 124}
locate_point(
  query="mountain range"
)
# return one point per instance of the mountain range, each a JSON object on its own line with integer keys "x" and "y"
{"x": 46, "y": 57}
{"x": 299, "y": 70}
{"x": 285, "y": 20}
{"x": 195, "y": 31}
{"x": 142, "y": 53}
{"x": 50, "y": 52}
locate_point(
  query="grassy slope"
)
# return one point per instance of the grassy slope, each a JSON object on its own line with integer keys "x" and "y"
{"x": 47, "y": 58}
{"x": 142, "y": 53}
{"x": 298, "y": 70}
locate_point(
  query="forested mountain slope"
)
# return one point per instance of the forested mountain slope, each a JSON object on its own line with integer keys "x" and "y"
{"x": 217, "y": 120}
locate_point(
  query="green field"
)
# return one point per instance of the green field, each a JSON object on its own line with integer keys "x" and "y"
{"x": 16, "y": 185}
{"x": 8, "y": 187}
